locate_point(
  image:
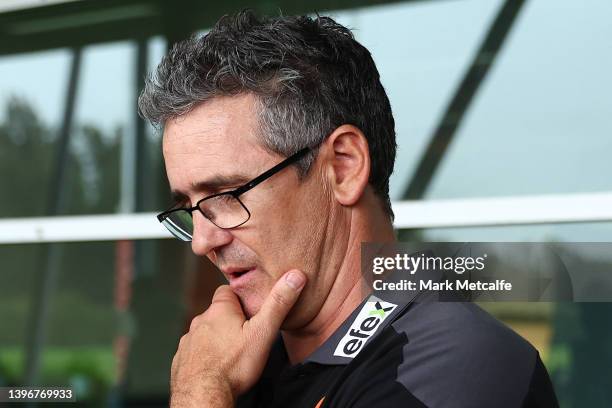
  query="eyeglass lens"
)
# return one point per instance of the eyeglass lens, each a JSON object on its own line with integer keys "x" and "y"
{"x": 225, "y": 211}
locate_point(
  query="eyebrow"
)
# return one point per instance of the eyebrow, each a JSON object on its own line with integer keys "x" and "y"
{"x": 213, "y": 185}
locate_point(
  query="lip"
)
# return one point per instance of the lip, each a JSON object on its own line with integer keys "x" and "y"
{"x": 238, "y": 276}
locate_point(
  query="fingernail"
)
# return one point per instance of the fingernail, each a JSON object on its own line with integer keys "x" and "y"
{"x": 295, "y": 280}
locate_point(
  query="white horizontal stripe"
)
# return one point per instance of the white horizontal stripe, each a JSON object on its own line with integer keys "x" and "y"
{"x": 81, "y": 228}
{"x": 12, "y": 5}
{"x": 591, "y": 207}
{"x": 546, "y": 209}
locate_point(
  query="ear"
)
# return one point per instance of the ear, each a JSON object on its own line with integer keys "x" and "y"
{"x": 347, "y": 163}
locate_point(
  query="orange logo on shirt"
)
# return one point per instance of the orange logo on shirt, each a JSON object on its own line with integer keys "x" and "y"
{"x": 320, "y": 403}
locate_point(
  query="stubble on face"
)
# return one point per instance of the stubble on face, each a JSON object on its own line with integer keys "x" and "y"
{"x": 287, "y": 223}
{"x": 221, "y": 137}
{"x": 251, "y": 294}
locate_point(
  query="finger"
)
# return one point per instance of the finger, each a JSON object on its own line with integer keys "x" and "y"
{"x": 177, "y": 357}
{"x": 224, "y": 296}
{"x": 223, "y": 293}
{"x": 277, "y": 304}
{"x": 195, "y": 322}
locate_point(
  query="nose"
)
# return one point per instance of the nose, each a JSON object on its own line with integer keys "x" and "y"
{"x": 207, "y": 236}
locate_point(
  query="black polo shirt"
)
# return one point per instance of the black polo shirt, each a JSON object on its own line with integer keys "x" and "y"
{"x": 423, "y": 353}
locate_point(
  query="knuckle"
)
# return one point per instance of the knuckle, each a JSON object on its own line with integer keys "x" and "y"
{"x": 199, "y": 324}
{"x": 195, "y": 322}
{"x": 181, "y": 346}
{"x": 280, "y": 300}
{"x": 174, "y": 363}
{"x": 258, "y": 337}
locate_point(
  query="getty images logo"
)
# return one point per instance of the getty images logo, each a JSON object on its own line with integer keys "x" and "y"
{"x": 367, "y": 322}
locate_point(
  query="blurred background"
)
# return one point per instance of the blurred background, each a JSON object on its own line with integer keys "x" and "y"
{"x": 504, "y": 125}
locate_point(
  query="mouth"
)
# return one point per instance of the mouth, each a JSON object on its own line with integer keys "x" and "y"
{"x": 239, "y": 276}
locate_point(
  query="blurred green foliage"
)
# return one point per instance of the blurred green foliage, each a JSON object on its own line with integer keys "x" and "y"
{"x": 90, "y": 371}
{"x": 82, "y": 320}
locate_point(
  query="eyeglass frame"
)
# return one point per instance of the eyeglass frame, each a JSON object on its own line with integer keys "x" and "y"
{"x": 237, "y": 192}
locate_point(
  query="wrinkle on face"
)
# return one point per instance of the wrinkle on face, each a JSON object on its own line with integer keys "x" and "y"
{"x": 294, "y": 223}
{"x": 215, "y": 135}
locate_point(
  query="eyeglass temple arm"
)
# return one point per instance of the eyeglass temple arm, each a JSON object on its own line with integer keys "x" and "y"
{"x": 269, "y": 173}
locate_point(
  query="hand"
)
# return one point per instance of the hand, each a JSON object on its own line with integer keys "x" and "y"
{"x": 224, "y": 354}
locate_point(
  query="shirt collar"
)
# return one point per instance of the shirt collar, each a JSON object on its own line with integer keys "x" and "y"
{"x": 366, "y": 322}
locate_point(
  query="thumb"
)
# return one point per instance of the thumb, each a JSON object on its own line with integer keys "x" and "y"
{"x": 278, "y": 303}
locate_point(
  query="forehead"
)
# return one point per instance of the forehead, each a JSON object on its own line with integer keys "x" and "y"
{"x": 213, "y": 125}
{"x": 217, "y": 138}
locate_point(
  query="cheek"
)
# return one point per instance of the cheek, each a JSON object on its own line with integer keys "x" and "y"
{"x": 295, "y": 231}
{"x": 273, "y": 230}
{"x": 286, "y": 228}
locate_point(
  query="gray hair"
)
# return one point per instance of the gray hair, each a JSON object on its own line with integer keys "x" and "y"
{"x": 309, "y": 76}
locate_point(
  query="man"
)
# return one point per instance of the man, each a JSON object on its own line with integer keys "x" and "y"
{"x": 278, "y": 143}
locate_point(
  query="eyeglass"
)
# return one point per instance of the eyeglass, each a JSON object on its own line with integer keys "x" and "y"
{"x": 225, "y": 210}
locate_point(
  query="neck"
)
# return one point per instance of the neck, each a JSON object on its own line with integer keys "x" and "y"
{"x": 348, "y": 288}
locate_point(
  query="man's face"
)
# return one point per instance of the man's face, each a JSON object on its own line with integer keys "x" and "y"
{"x": 215, "y": 148}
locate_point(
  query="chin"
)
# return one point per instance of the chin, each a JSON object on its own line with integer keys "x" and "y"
{"x": 252, "y": 295}
{"x": 250, "y": 304}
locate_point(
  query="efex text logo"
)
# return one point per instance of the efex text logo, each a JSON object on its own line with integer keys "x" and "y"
{"x": 367, "y": 322}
